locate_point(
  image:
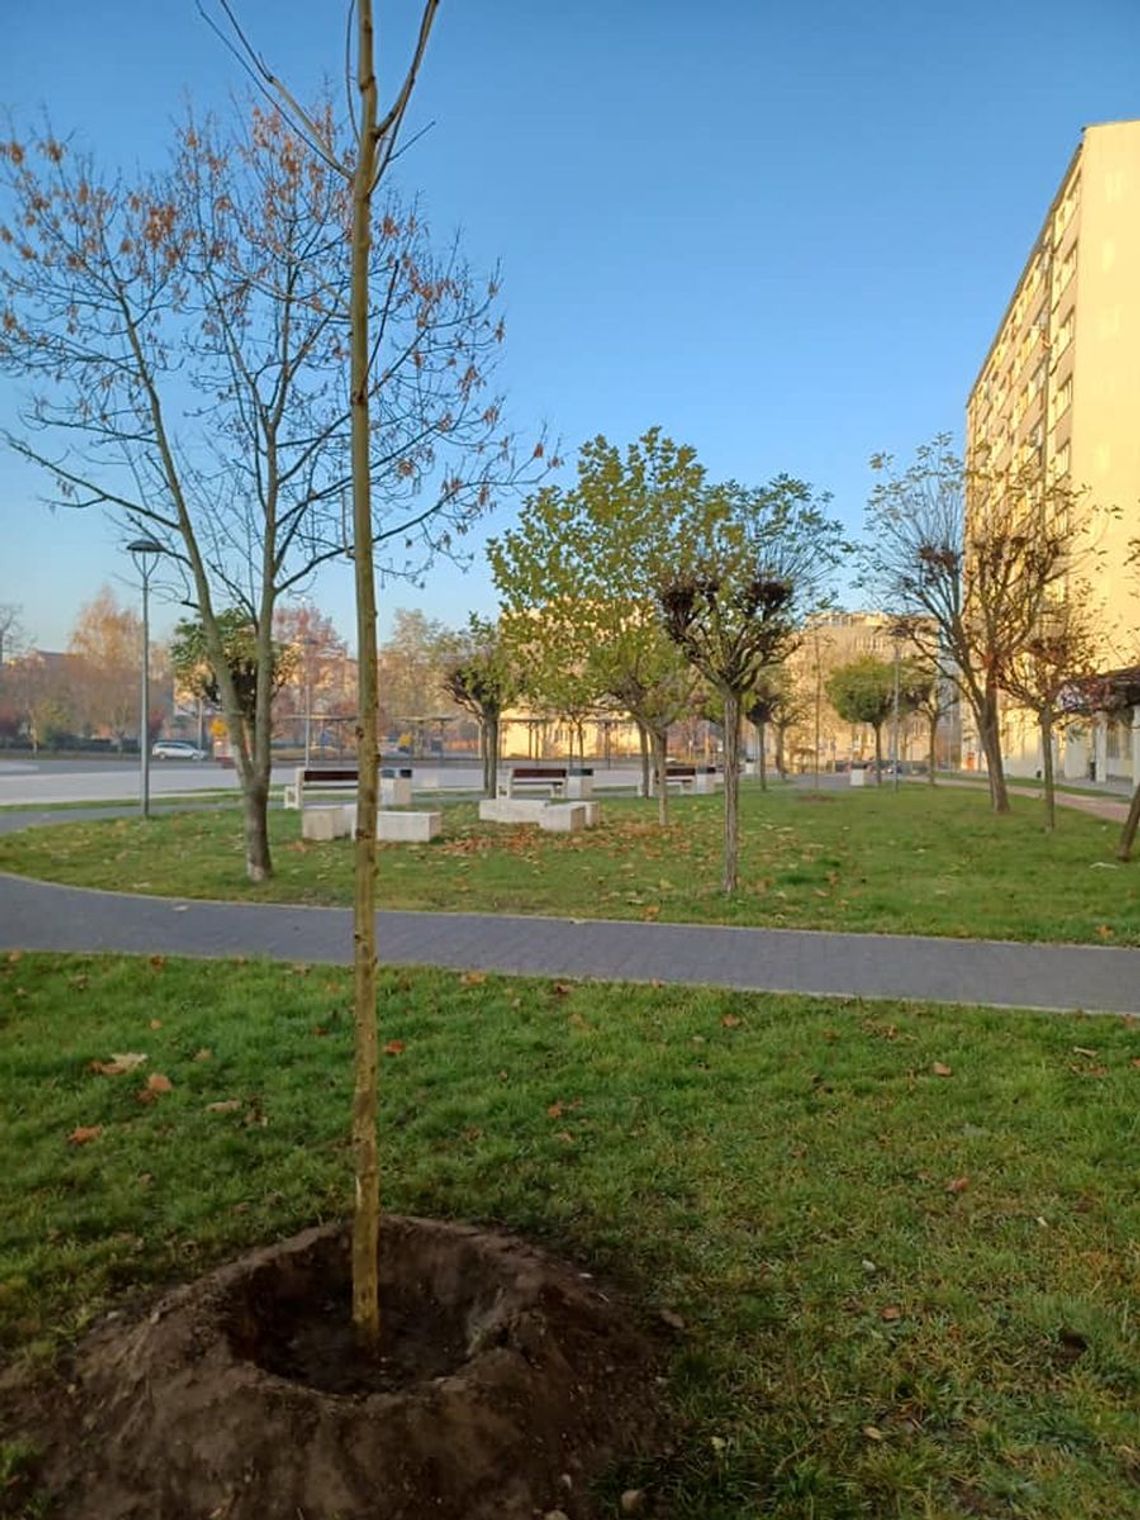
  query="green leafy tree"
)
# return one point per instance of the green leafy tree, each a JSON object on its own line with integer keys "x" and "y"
{"x": 863, "y": 691}
{"x": 192, "y": 657}
{"x": 579, "y": 608}
{"x": 478, "y": 675}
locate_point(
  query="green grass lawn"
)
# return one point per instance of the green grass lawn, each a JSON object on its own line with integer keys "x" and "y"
{"x": 905, "y": 1294}
{"x": 915, "y": 861}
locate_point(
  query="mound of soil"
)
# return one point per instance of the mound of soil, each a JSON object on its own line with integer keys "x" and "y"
{"x": 505, "y": 1380}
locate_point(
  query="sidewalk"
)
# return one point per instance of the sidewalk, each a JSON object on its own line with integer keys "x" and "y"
{"x": 36, "y": 915}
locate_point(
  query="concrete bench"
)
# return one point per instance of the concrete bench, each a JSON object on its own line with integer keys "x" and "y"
{"x": 699, "y": 779}
{"x": 528, "y": 778}
{"x": 318, "y": 779}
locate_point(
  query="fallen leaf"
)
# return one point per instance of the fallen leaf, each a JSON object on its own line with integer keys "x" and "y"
{"x": 156, "y": 1023}
{"x": 1105, "y": 931}
{"x": 555, "y": 1110}
{"x": 732, "y": 1021}
{"x": 560, "y": 989}
{"x": 1083, "y": 1050}
{"x": 84, "y": 1134}
{"x": 158, "y": 962}
{"x": 157, "y": 1083}
{"x": 205, "y": 1054}
{"x": 958, "y": 1184}
{"x": 1136, "y": 1062}
{"x": 891, "y": 1313}
{"x": 565, "y": 1136}
{"x": 671, "y": 1318}
{"x": 872, "y": 1432}
{"x": 395, "y": 1048}
{"x": 121, "y": 1061}
{"x": 473, "y": 978}
{"x": 16, "y": 955}
{"x": 940, "y": 1070}
{"x": 225, "y": 1106}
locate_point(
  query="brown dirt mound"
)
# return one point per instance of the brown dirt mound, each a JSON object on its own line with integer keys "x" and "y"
{"x": 506, "y": 1381}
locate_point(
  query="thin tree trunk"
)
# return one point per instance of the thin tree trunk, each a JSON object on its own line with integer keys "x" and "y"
{"x": 762, "y": 758}
{"x": 731, "y": 790}
{"x": 1128, "y": 832}
{"x": 643, "y": 741}
{"x": 1046, "y": 721}
{"x": 365, "y": 1096}
{"x": 255, "y": 819}
{"x": 781, "y": 769}
{"x": 878, "y": 754}
{"x": 990, "y": 734}
{"x": 659, "y": 744}
{"x": 490, "y": 736}
{"x": 933, "y": 745}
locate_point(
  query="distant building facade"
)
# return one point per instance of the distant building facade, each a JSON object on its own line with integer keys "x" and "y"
{"x": 1059, "y": 391}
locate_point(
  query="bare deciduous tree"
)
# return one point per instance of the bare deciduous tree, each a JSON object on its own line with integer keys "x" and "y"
{"x": 974, "y": 556}
{"x": 186, "y": 339}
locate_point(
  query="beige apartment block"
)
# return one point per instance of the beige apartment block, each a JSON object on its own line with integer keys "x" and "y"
{"x": 1060, "y": 390}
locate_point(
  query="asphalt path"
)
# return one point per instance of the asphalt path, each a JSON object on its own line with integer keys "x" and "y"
{"x": 37, "y": 915}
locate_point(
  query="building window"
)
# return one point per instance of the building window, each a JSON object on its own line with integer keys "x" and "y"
{"x": 1062, "y": 400}
{"x": 1068, "y": 268}
{"x": 1061, "y": 460}
{"x": 1064, "y": 332}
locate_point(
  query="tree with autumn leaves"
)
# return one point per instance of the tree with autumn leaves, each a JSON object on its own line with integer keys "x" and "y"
{"x": 225, "y": 280}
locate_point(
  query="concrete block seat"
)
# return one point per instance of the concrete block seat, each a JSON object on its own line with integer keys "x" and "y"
{"x": 548, "y": 815}
{"x": 407, "y": 827}
{"x": 320, "y": 824}
{"x": 400, "y": 827}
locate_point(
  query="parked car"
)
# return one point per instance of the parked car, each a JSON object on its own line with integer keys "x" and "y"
{"x": 176, "y": 749}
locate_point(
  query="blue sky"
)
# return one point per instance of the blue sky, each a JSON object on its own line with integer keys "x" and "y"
{"x": 783, "y": 232}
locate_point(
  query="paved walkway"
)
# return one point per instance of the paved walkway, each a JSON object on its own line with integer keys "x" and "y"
{"x": 37, "y": 915}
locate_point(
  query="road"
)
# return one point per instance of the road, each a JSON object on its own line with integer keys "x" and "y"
{"x": 28, "y": 782}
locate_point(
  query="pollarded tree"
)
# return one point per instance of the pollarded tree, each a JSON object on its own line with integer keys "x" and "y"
{"x": 478, "y": 674}
{"x": 737, "y": 573}
{"x": 974, "y": 556}
{"x": 186, "y": 338}
{"x": 771, "y": 704}
{"x": 863, "y": 691}
{"x": 1060, "y": 657}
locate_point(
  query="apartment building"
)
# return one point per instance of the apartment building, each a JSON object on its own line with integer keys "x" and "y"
{"x": 1060, "y": 390}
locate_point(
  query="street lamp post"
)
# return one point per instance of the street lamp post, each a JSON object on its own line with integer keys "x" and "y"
{"x": 145, "y": 552}
{"x": 309, "y": 644}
